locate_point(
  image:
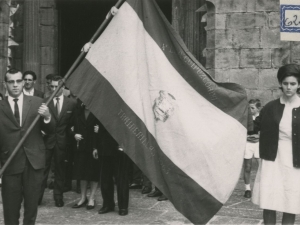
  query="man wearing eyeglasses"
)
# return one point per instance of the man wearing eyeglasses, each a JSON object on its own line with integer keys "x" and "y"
{"x": 29, "y": 78}
{"x": 23, "y": 177}
{"x": 62, "y": 111}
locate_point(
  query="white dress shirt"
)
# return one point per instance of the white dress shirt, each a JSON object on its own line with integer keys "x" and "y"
{"x": 20, "y": 105}
{"x": 29, "y": 93}
{"x": 254, "y": 117}
{"x": 61, "y": 101}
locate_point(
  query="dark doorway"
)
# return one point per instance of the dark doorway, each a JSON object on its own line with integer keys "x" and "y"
{"x": 79, "y": 20}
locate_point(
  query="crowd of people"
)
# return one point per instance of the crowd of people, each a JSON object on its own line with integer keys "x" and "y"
{"x": 70, "y": 144}
{"x": 69, "y": 141}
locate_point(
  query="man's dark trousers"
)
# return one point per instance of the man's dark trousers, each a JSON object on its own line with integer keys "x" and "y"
{"x": 22, "y": 178}
{"x": 29, "y": 182}
{"x": 56, "y": 144}
{"x": 118, "y": 168}
{"x": 59, "y": 171}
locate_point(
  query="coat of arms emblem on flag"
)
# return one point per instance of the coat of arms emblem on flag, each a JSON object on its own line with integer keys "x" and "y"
{"x": 164, "y": 106}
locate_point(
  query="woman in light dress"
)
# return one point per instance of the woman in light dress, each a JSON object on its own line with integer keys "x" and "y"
{"x": 277, "y": 187}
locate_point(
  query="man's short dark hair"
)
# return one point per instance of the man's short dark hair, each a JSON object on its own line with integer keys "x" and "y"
{"x": 57, "y": 78}
{"x": 29, "y": 72}
{"x": 11, "y": 71}
{"x": 49, "y": 76}
{"x": 256, "y": 102}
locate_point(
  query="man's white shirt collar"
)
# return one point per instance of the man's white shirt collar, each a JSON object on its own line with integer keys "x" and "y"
{"x": 254, "y": 116}
{"x": 30, "y": 93}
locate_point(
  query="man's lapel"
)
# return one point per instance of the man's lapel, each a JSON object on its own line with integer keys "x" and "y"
{"x": 8, "y": 111}
{"x": 26, "y": 107}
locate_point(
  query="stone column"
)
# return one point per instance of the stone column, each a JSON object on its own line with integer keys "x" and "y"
{"x": 4, "y": 28}
{"x": 48, "y": 39}
{"x": 31, "y": 51}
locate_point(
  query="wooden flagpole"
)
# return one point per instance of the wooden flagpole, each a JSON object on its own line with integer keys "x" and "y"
{"x": 68, "y": 74}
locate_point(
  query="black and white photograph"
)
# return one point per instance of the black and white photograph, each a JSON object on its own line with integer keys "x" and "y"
{"x": 149, "y": 112}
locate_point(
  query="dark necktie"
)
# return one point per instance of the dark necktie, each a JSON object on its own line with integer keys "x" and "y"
{"x": 17, "y": 113}
{"x": 57, "y": 106}
{"x": 86, "y": 113}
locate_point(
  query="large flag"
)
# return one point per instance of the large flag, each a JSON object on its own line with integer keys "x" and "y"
{"x": 185, "y": 131}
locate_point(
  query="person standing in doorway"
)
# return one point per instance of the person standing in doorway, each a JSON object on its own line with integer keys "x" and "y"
{"x": 114, "y": 165}
{"x": 62, "y": 110}
{"x": 86, "y": 167}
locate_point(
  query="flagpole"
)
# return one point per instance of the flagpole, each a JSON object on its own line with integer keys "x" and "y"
{"x": 68, "y": 74}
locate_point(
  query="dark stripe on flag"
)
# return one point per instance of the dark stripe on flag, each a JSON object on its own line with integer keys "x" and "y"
{"x": 228, "y": 97}
{"x": 124, "y": 125}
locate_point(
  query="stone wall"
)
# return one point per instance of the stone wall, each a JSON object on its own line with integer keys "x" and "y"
{"x": 4, "y": 26}
{"x": 16, "y": 49}
{"x": 41, "y": 57}
{"x": 243, "y": 45}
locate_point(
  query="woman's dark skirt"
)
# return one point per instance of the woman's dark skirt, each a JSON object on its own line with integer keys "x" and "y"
{"x": 85, "y": 166}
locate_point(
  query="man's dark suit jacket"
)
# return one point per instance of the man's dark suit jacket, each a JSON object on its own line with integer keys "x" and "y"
{"x": 105, "y": 143}
{"x": 62, "y": 124}
{"x": 11, "y": 133}
{"x": 38, "y": 93}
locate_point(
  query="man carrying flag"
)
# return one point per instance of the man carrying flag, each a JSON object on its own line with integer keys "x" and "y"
{"x": 185, "y": 131}
{"x": 23, "y": 177}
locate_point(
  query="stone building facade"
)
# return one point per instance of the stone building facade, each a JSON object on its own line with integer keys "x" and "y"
{"x": 236, "y": 40}
{"x": 28, "y": 37}
{"x": 244, "y": 45}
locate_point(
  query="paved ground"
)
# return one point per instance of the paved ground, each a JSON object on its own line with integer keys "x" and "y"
{"x": 144, "y": 210}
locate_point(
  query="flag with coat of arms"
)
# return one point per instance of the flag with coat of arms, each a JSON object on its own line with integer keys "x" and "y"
{"x": 184, "y": 130}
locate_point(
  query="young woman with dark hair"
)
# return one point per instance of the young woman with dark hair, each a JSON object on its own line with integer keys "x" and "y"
{"x": 279, "y": 145}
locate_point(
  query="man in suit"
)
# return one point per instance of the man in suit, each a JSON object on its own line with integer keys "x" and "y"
{"x": 114, "y": 165}
{"x": 30, "y": 78}
{"x": 62, "y": 111}
{"x": 23, "y": 177}
{"x": 66, "y": 92}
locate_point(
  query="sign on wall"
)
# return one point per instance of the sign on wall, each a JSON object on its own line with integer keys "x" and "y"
{"x": 290, "y": 20}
